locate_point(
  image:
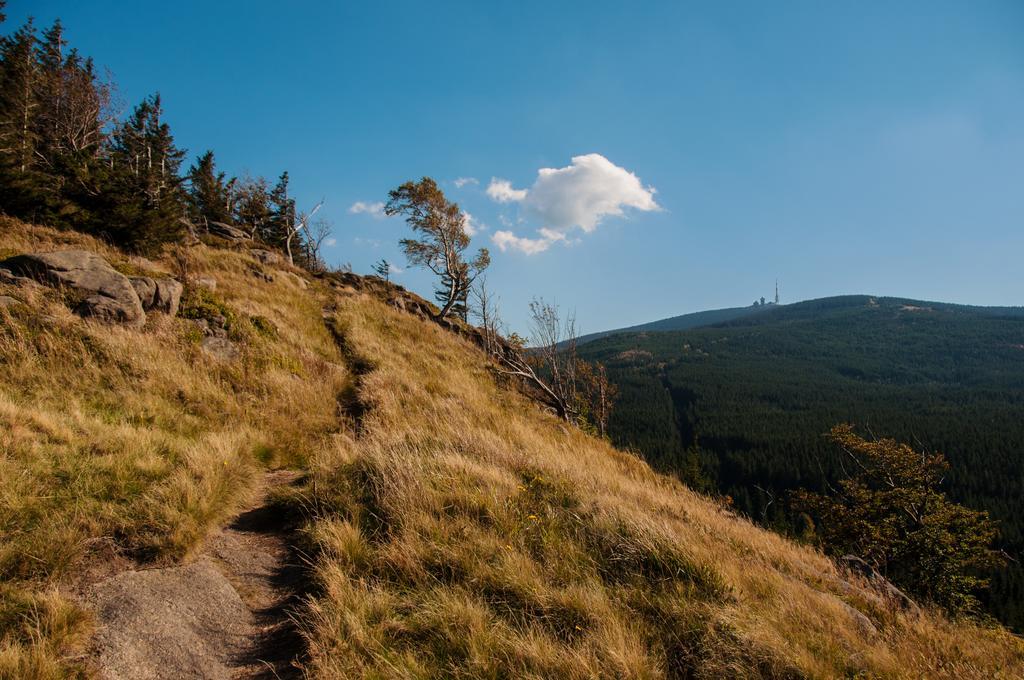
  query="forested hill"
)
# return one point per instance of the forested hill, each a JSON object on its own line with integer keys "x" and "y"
{"x": 683, "y": 322}
{"x": 740, "y": 407}
{"x": 772, "y": 312}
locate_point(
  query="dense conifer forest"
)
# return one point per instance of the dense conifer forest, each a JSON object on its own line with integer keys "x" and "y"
{"x": 740, "y": 408}
{"x": 71, "y": 157}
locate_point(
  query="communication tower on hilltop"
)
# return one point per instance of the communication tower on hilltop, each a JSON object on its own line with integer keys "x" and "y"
{"x": 776, "y": 291}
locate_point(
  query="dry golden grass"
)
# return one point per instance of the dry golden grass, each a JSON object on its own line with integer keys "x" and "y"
{"x": 466, "y": 534}
{"x": 123, "y": 443}
{"x": 454, "y": 529}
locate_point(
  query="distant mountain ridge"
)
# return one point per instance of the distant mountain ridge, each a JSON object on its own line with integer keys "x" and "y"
{"x": 738, "y": 406}
{"x": 802, "y": 310}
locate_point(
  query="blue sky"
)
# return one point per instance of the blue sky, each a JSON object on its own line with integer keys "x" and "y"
{"x": 866, "y": 147}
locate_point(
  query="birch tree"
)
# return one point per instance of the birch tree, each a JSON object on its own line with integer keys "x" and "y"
{"x": 441, "y": 226}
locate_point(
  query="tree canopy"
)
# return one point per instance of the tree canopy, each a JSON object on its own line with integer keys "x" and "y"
{"x": 443, "y": 240}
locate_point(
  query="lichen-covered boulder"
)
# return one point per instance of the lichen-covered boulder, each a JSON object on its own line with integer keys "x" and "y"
{"x": 160, "y": 295}
{"x": 108, "y": 295}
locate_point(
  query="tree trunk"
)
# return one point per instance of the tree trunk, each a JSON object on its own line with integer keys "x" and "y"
{"x": 452, "y": 299}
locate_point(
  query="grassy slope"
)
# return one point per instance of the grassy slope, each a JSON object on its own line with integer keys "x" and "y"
{"x": 462, "y": 533}
{"x": 454, "y": 529}
{"x": 119, "y": 444}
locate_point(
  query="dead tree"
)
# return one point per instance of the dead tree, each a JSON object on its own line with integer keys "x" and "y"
{"x": 301, "y": 224}
{"x": 484, "y": 308}
{"x": 315, "y": 238}
{"x": 576, "y": 390}
{"x": 549, "y": 366}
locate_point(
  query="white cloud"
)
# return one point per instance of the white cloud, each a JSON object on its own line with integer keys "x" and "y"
{"x": 506, "y": 240}
{"x": 374, "y": 210}
{"x": 371, "y": 242}
{"x": 463, "y": 181}
{"x": 501, "y": 191}
{"x": 471, "y": 225}
{"x": 331, "y": 242}
{"x": 580, "y": 195}
{"x": 394, "y": 268}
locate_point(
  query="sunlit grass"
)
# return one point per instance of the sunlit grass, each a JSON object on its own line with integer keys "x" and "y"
{"x": 136, "y": 443}
{"x": 464, "y": 533}
{"x": 454, "y": 530}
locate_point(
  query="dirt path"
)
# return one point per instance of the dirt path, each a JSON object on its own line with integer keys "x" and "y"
{"x": 222, "y": 615}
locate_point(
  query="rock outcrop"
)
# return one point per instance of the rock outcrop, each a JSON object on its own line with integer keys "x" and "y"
{"x": 108, "y": 295}
{"x": 266, "y": 256}
{"x": 226, "y": 231}
{"x": 885, "y": 587}
{"x": 159, "y": 295}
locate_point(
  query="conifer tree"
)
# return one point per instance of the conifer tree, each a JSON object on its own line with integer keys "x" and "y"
{"x": 250, "y": 199}
{"x": 209, "y": 195}
{"x": 73, "y": 109}
{"x": 143, "y": 194}
{"x": 20, "y": 182}
{"x": 282, "y": 214}
{"x": 443, "y": 290}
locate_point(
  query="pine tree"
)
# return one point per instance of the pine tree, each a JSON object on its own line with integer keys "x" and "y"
{"x": 460, "y": 307}
{"x": 208, "y": 194}
{"x": 250, "y": 201}
{"x": 143, "y": 195}
{"x": 73, "y": 108}
{"x": 282, "y": 214}
{"x": 383, "y": 269}
{"x": 21, "y": 185}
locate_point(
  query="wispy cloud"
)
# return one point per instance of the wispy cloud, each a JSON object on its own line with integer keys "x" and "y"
{"x": 471, "y": 225}
{"x": 374, "y": 210}
{"x": 501, "y": 191}
{"x": 463, "y": 181}
{"x": 371, "y": 242}
{"x": 581, "y": 195}
{"x": 331, "y": 242}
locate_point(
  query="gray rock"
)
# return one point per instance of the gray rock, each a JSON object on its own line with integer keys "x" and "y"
{"x": 161, "y": 295}
{"x": 266, "y": 256}
{"x": 145, "y": 288}
{"x": 178, "y": 622}
{"x": 8, "y": 277}
{"x": 220, "y": 348}
{"x": 883, "y": 585}
{"x": 111, "y": 298}
{"x": 206, "y": 282}
{"x": 227, "y": 231}
{"x": 262, "y": 275}
{"x": 864, "y": 625}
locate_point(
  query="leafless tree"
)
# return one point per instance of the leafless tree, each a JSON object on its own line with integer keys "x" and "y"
{"x": 549, "y": 372}
{"x": 301, "y": 224}
{"x": 598, "y": 392}
{"x": 576, "y": 390}
{"x": 315, "y": 237}
{"x": 484, "y": 309}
